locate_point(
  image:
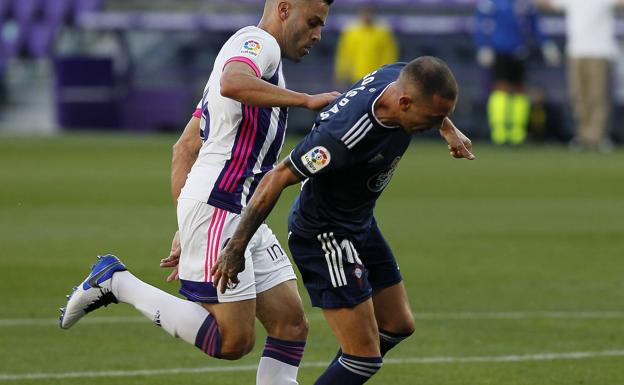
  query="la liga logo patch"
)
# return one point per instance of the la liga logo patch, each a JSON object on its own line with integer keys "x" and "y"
{"x": 316, "y": 159}
{"x": 252, "y": 47}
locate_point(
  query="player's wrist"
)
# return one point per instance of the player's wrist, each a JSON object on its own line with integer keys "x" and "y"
{"x": 305, "y": 100}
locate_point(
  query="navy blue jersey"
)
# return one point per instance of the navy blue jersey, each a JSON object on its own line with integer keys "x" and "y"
{"x": 349, "y": 158}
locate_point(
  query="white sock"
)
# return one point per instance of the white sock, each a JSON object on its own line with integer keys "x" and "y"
{"x": 274, "y": 372}
{"x": 280, "y": 362}
{"x": 179, "y": 317}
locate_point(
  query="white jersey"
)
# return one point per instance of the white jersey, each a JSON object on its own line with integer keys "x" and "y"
{"x": 241, "y": 143}
{"x": 590, "y": 28}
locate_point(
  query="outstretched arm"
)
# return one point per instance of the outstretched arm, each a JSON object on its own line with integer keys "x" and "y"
{"x": 241, "y": 83}
{"x": 459, "y": 145}
{"x": 232, "y": 257}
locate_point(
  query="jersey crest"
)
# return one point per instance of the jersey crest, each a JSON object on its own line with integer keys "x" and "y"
{"x": 252, "y": 47}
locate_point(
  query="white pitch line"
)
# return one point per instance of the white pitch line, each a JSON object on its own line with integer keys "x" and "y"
{"x": 55, "y": 321}
{"x": 318, "y": 316}
{"x": 316, "y": 364}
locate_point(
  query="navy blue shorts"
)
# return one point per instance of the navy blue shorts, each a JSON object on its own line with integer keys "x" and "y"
{"x": 342, "y": 271}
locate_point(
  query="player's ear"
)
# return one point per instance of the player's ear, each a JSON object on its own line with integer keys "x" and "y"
{"x": 283, "y": 9}
{"x": 405, "y": 102}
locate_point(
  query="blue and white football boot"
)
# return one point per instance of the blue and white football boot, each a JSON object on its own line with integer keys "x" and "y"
{"x": 94, "y": 292}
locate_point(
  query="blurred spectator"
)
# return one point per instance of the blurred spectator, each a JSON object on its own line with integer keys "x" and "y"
{"x": 504, "y": 31}
{"x": 364, "y": 46}
{"x": 591, "y": 47}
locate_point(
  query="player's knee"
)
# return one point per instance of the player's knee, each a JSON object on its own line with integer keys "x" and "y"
{"x": 293, "y": 327}
{"x": 298, "y": 329}
{"x": 235, "y": 346}
{"x": 404, "y": 325}
{"x": 408, "y": 325}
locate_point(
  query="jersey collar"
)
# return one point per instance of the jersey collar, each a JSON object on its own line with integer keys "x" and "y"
{"x": 372, "y": 109}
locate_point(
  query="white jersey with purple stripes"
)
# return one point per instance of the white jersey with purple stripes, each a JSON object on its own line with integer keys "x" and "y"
{"x": 241, "y": 143}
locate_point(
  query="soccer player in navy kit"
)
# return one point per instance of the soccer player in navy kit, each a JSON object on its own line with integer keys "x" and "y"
{"x": 347, "y": 160}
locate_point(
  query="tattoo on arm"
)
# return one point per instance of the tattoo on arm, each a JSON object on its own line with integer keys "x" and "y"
{"x": 264, "y": 199}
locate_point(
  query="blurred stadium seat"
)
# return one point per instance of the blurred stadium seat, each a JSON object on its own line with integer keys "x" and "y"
{"x": 163, "y": 50}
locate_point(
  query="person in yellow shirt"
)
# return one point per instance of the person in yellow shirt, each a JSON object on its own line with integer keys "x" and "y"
{"x": 364, "y": 46}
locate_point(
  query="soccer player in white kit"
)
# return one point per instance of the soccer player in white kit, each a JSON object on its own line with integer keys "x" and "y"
{"x": 231, "y": 142}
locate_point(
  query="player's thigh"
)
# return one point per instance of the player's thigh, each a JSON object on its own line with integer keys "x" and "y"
{"x": 383, "y": 269}
{"x": 204, "y": 232}
{"x": 279, "y": 306}
{"x": 392, "y": 309}
{"x": 355, "y": 328}
{"x": 280, "y": 311}
{"x": 234, "y": 318}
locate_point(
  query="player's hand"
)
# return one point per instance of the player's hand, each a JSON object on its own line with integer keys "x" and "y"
{"x": 230, "y": 263}
{"x": 319, "y": 101}
{"x": 174, "y": 258}
{"x": 458, "y": 144}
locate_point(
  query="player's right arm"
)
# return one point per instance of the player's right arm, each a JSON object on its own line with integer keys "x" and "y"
{"x": 185, "y": 152}
{"x": 232, "y": 257}
{"x": 240, "y": 82}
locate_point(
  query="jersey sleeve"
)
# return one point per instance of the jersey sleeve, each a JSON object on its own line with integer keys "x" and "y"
{"x": 318, "y": 153}
{"x": 198, "y": 110}
{"x": 261, "y": 53}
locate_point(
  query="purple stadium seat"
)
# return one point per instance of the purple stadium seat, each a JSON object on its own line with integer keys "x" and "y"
{"x": 5, "y": 9}
{"x": 40, "y": 39}
{"x": 13, "y": 38}
{"x": 26, "y": 11}
{"x": 83, "y": 6}
{"x": 57, "y": 11}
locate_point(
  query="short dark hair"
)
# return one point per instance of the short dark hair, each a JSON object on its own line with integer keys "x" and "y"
{"x": 432, "y": 77}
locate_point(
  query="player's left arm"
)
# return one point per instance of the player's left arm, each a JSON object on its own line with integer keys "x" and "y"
{"x": 460, "y": 146}
{"x": 232, "y": 257}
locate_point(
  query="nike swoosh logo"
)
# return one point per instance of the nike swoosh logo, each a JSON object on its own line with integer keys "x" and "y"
{"x": 93, "y": 280}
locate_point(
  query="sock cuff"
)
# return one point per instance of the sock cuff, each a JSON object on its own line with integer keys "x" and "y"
{"x": 393, "y": 337}
{"x": 288, "y": 352}
{"x": 363, "y": 366}
{"x": 277, "y": 341}
{"x": 208, "y": 337}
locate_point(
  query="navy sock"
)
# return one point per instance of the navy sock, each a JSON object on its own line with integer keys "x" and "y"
{"x": 387, "y": 341}
{"x": 208, "y": 339}
{"x": 350, "y": 370}
{"x": 289, "y": 352}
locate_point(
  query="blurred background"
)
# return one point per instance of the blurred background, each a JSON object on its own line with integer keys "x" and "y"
{"x": 513, "y": 262}
{"x": 141, "y": 65}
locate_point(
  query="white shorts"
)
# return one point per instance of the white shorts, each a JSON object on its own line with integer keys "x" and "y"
{"x": 204, "y": 232}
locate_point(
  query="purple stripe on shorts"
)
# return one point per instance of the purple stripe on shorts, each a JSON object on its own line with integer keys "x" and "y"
{"x": 203, "y": 292}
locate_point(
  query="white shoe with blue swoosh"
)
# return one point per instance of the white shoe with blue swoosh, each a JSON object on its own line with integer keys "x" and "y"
{"x": 94, "y": 292}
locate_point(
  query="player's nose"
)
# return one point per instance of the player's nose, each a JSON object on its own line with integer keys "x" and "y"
{"x": 316, "y": 36}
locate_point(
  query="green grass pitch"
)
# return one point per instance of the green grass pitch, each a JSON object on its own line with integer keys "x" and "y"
{"x": 514, "y": 264}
